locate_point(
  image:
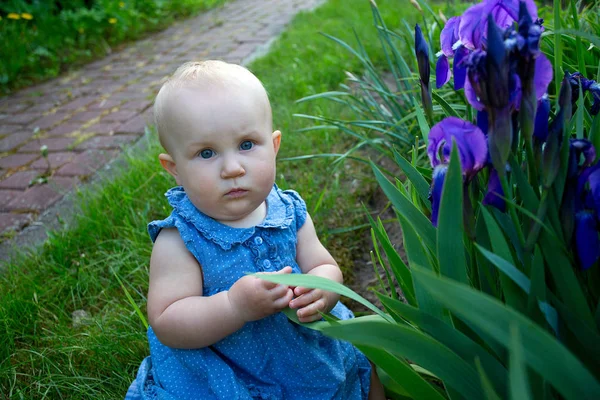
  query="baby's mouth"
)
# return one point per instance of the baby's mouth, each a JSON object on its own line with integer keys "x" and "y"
{"x": 237, "y": 192}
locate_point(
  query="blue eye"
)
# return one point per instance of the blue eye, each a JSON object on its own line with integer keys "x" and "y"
{"x": 206, "y": 153}
{"x": 246, "y": 145}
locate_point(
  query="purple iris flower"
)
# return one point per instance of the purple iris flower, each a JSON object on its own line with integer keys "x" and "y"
{"x": 540, "y": 131}
{"x": 422, "y": 53}
{"x": 495, "y": 193}
{"x": 587, "y": 243}
{"x": 472, "y": 148}
{"x": 451, "y": 48}
{"x": 576, "y": 79}
{"x": 473, "y": 28}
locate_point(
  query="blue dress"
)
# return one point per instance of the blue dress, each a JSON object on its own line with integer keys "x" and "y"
{"x": 272, "y": 358}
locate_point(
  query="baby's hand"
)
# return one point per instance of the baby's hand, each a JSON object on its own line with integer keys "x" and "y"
{"x": 253, "y": 298}
{"x": 312, "y": 301}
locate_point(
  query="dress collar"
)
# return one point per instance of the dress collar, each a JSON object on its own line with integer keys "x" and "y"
{"x": 280, "y": 214}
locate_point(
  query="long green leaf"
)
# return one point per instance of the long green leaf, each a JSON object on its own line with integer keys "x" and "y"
{"x": 451, "y": 248}
{"x": 457, "y": 341}
{"x": 564, "y": 278}
{"x": 419, "y": 348}
{"x": 318, "y": 282}
{"x": 540, "y": 349}
{"x": 416, "y": 255}
{"x": 414, "y": 177}
{"x": 519, "y": 387}
{"x": 558, "y": 73}
{"x": 450, "y": 112}
{"x": 400, "y": 270}
{"x": 420, "y": 222}
{"x": 402, "y": 373}
{"x": 512, "y": 295}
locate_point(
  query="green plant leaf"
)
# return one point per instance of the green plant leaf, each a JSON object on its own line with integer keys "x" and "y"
{"x": 486, "y": 383}
{"x": 519, "y": 387}
{"x": 454, "y": 339}
{"x": 420, "y": 184}
{"x": 402, "y": 373}
{"x": 540, "y": 349}
{"x": 451, "y": 248}
{"x": 416, "y": 255}
{"x": 404, "y": 206}
{"x": 512, "y": 295}
{"x": 450, "y": 112}
{"x": 318, "y": 282}
{"x": 400, "y": 270}
{"x": 419, "y": 348}
{"x": 564, "y": 278}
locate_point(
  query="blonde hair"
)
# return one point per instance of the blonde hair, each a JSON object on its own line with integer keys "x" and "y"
{"x": 203, "y": 74}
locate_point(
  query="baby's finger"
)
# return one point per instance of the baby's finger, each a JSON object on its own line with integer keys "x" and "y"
{"x": 279, "y": 291}
{"x": 299, "y": 290}
{"x": 310, "y": 313}
{"x": 305, "y": 299}
{"x": 283, "y": 301}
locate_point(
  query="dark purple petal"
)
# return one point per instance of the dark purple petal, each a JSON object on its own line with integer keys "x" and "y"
{"x": 543, "y": 75}
{"x": 435, "y": 195}
{"x": 585, "y": 147}
{"x": 422, "y": 53}
{"x": 495, "y": 194}
{"x": 482, "y": 121}
{"x": 515, "y": 92}
{"x": 449, "y": 36}
{"x": 442, "y": 71}
{"x": 470, "y": 28}
{"x": 540, "y": 130}
{"x": 594, "y": 181}
{"x": 470, "y": 140}
{"x": 595, "y": 91}
{"x": 472, "y": 96}
{"x": 459, "y": 68}
{"x": 586, "y": 239}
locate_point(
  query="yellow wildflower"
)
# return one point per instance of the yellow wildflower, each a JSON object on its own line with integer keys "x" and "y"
{"x": 112, "y": 20}
{"x": 81, "y": 30}
{"x": 121, "y": 4}
{"x": 27, "y": 16}
{"x": 13, "y": 16}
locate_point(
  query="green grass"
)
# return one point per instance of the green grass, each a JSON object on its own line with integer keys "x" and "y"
{"x": 41, "y": 40}
{"x": 42, "y": 355}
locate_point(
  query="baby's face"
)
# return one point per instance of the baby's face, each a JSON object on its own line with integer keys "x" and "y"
{"x": 224, "y": 150}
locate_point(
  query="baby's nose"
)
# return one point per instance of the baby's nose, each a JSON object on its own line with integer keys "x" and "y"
{"x": 232, "y": 168}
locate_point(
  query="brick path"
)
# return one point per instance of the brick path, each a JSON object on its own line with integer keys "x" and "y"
{"x": 87, "y": 117}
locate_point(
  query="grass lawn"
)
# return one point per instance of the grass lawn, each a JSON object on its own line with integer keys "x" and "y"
{"x": 45, "y": 353}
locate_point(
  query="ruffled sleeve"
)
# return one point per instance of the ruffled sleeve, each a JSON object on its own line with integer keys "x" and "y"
{"x": 299, "y": 207}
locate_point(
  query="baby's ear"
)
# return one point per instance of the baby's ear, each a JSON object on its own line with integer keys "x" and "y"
{"x": 276, "y": 140}
{"x": 167, "y": 162}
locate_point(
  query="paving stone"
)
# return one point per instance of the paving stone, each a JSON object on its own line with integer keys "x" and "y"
{"x": 13, "y": 222}
{"x": 9, "y": 128}
{"x": 18, "y": 180}
{"x": 103, "y": 128}
{"x": 137, "y": 105}
{"x": 107, "y": 142}
{"x": 56, "y": 160}
{"x": 105, "y": 104}
{"x": 22, "y": 119}
{"x": 17, "y": 160}
{"x": 135, "y": 125}
{"x": 54, "y": 144}
{"x": 40, "y": 197}
{"x": 13, "y": 141}
{"x": 85, "y": 116}
{"x": 87, "y": 163}
{"x": 11, "y": 107}
{"x": 49, "y": 120}
{"x": 6, "y": 196}
{"x": 64, "y": 129}
{"x": 119, "y": 116}
{"x": 78, "y": 103}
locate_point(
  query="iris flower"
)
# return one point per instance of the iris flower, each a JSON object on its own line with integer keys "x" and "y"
{"x": 472, "y": 149}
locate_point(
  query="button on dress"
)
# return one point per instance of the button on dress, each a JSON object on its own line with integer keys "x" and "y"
{"x": 272, "y": 358}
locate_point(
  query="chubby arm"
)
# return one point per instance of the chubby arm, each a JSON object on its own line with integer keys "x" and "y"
{"x": 182, "y": 318}
{"x": 314, "y": 259}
